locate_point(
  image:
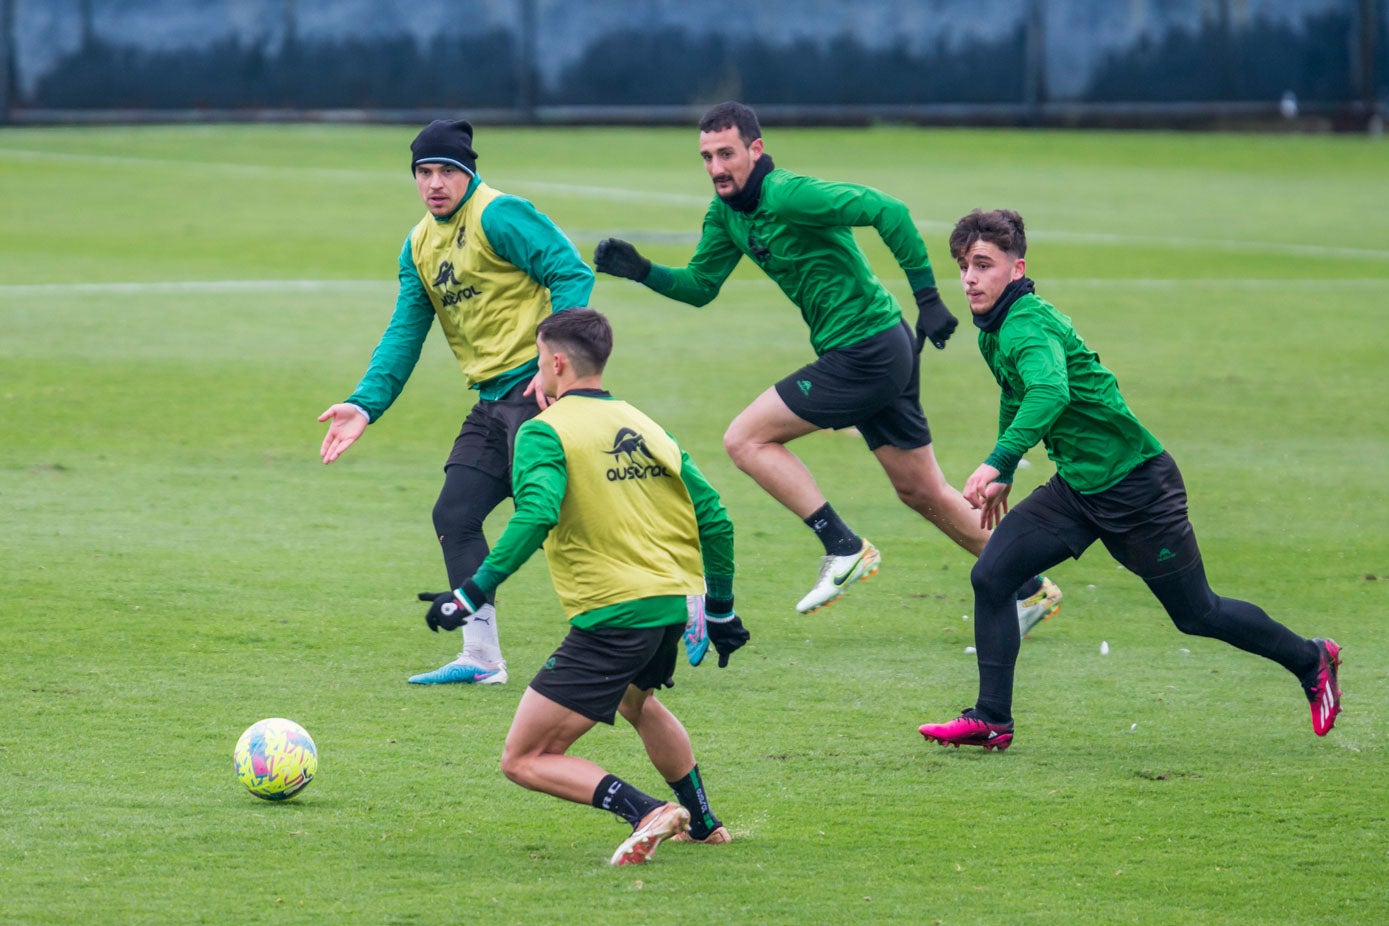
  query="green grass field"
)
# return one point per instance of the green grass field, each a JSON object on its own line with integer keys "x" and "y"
{"x": 177, "y": 305}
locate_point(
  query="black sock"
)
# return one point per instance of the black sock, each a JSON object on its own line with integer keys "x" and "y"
{"x": 629, "y": 803}
{"x": 990, "y": 714}
{"x": 833, "y": 532}
{"x": 1029, "y": 588}
{"x": 689, "y": 791}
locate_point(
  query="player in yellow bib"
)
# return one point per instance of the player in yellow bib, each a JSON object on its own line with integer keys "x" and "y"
{"x": 630, "y": 528}
{"x": 489, "y": 267}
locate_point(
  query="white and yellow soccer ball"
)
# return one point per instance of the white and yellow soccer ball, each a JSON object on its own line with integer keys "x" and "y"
{"x": 275, "y": 759}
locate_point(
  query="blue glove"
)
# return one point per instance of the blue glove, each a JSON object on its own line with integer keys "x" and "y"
{"x": 726, "y": 630}
{"x": 451, "y": 610}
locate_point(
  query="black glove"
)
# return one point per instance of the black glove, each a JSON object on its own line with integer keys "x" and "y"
{"x": 726, "y": 630}
{"x": 934, "y": 322}
{"x": 451, "y": 610}
{"x": 618, "y": 258}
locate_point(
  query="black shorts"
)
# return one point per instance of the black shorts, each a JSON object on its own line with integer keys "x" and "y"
{"x": 874, "y": 385}
{"x": 591, "y": 670}
{"x": 1142, "y": 520}
{"x": 488, "y": 436}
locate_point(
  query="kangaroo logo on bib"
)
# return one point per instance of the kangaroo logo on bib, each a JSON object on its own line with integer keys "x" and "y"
{"x": 632, "y": 444}
{"x": 445, "y": 276}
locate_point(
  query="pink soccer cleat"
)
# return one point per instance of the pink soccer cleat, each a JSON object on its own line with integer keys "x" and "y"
{"x": 1325, "y": 695}
{"x": 969, "y": 730}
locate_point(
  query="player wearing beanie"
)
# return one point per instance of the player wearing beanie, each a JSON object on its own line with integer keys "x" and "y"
{"x": 489, "y": 268}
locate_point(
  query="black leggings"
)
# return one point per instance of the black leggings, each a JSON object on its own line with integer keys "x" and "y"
{"x": 469, "y": 495}
{"x": 1024, "y": 546}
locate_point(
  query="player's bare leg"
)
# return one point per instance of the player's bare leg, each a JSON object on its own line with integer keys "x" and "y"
{"x": 664, "y": 736}
{"x": 756, "y": 441}
{"x": 535, "y": 758}
{"x": 921, "y": 486}
{"x": 668, "y": 745}
{"x": 534, "y": 755}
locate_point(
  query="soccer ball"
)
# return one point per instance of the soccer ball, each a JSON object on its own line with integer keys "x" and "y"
{"x": 275, "y": 759}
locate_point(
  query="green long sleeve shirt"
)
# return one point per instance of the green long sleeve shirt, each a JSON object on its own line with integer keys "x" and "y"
{"x": 1056, "y": 391}
{"x": 801, "y": 235}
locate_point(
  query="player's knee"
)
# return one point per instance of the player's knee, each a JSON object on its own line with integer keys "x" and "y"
{"x": 988, "y": 583}
{"x": 1196, "y": 620}
{"x": 921, "y": 492}
{"x": 456, "y": 518}
{"x": 516, "y": 768}
{"x": 1189, "y": 601}
{"x": 738, "y": 448}
{"x": 923, "y": 499}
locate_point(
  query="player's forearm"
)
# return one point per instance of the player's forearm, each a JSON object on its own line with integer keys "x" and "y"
{"x": 518, "y": 543}
{"x": 682, "y": 285}
{"x": 539, "y": 483}
{"x": 398, "y": 351}
{"x": 1034, "y": 417}
{"x": 699, "y": 281}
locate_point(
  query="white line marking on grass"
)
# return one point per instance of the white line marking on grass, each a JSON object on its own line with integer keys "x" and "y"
{"x": 326, "y": 286}
{"x": 1182, "y": 241}
{"x": 254, "y": 169}
{"x": 196, "y": 286}
{"x": 1172, "y": 283}
{"x": 608, "y": 193}
{"x": 623, "y": 194}
{"x": 1217, "y": 282}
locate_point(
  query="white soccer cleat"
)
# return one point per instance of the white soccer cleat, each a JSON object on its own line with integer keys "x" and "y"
{"x": 662, "y": 823}
{"x": 836, "y": 573}
{"x": 1040, "y": 607}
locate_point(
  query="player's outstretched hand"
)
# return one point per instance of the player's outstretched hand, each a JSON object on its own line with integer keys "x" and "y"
{"x": 348, "y": 423}
{"x": 934, "y": 322}
{"x": 618, "y": 258}
{"x": 726, "y": 630}
{"x": 451, "y": 610}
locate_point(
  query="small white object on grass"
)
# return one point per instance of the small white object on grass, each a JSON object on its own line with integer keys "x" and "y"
{"x": 970, "y": 649}
{"x": 1104, "y": 647}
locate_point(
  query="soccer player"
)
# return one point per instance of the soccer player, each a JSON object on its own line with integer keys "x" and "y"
{"x": 630, "y": 528}
{"x": 799, "y": 230}
{"x": 1114, "y": 483}
{"x": 489, "y": 266}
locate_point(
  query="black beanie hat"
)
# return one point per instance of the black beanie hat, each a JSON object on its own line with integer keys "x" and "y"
{"x": 447, "y": 141}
